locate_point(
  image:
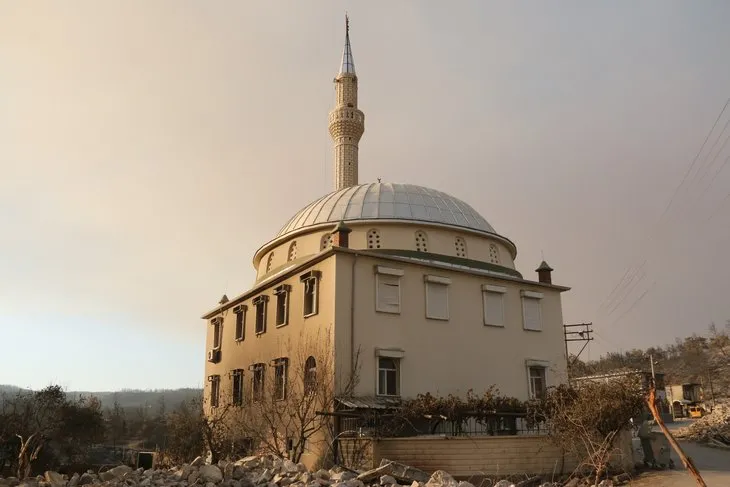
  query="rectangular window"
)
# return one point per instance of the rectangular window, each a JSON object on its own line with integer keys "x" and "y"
{"x": 240, "y": 312}
{"x": 437, "y": 297}
{"x": 531, "y": 310}
{"x": 311, "y": 292}
{"x": 282, "y": 304}
{"x": 261, "y": 304}
{"x": 281, "y": 366}
{"x": 217, "y": 332}
{"x": 257, "y": 381}
{"x": 493, "y": 302}
{"x": 237, "y": 386}
{"x": 215, "y": 387}
{"x": 538, "y": 385}
{"x": 388, "y": 376}
{"x": 387, "y": 289}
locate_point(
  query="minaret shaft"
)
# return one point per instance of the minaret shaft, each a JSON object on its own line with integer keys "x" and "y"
{"x": 346, "y": 122}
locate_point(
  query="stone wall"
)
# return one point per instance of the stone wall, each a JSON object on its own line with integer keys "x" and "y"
{"x": 485, "y": 455}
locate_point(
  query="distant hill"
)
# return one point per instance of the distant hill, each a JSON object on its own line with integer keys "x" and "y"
{"x": 129, "y": 398}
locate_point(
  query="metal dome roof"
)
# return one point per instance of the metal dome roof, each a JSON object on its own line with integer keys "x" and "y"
{"x": 388, "y": 201}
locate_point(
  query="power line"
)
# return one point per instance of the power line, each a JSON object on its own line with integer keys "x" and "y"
{"x": 694, "y": 161}
{"x": 621, "y": 291}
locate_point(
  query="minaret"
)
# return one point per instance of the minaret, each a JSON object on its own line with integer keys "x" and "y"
{"x": 346, "y": 122}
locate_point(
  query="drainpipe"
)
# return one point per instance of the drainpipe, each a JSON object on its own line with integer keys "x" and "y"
{"x": 352, "y": 318}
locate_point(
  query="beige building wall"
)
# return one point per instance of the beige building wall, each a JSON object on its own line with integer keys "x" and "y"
{"x": 275, "y": 342}
{"x": 445, "y": 356}
{"x": 393, "y": 235}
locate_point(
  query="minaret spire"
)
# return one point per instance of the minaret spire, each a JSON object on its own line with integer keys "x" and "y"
{"x": 346, "y": 122}
{"x": 348, "y": 64}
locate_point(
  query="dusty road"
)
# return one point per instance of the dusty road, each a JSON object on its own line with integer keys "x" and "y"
{"x": 713, "y": 464}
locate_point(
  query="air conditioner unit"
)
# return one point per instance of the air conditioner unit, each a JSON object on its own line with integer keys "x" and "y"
{"x": 214, "y": 355}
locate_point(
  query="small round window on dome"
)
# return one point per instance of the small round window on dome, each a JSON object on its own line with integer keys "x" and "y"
{"x": 460, "y": 247}
{"x": 373, "y": 239}
{"x": 493, "y": 254}
{"x": 421, "y": 241}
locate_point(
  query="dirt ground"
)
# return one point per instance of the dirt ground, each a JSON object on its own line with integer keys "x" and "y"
{"x": 713, "y": 464}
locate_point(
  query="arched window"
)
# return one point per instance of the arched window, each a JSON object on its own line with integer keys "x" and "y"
{"x": 326, "y": 241}
{"x": 373, "y": 239}
{"x": 292, "y": 251}
{"x": 310, "y": 375}
{"x": 460, "y": 245}
{"x": 493, "y": 254}
{"x": 421, "y": 241}
{"x": 269, "y": 262}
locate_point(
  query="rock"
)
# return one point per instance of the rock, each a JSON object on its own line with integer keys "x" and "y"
{"x": 403, "y": 473}
{"x": 387, "y": 480}
{"x": 324, "y": 474}
{"x": 86, "y": 479}
{"x": 531, "y": 482}
{"x": 621, "y": 478}
{"x": 441, "y": 479}
{"x": 146, "y": 482}
{"x": 12, "y": 481}
{"x": 265, "y": 477}
{"x": 465, "y": 484}
{"x": 107, "y": 476}
{"x": 193, "y": 477}
{"x": 210, "y": 474}
{"x": 238, "y": 472}
{"x": 504, "y": 483}
{"x": 228, "y": 471}
{"x": 606, "y": 483}
{"x": 54, "y": 479}
{"x": 74, "y": 480}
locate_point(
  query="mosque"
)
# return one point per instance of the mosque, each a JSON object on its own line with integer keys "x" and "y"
{"x": 410, "y": 288}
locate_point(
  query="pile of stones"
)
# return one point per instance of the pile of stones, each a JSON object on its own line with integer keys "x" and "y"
{"x": 269, "y": 471}
{"x": 713, "y": 429}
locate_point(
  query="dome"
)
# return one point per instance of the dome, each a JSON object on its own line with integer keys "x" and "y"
{"x": 388, "y": 201}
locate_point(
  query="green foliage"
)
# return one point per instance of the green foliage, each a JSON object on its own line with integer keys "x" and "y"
{"x": 587, "y": 419}
{"x": 47, "y": 425}
{"x": 695, "y": 358}
{"x": 431, "y": 409}
{"x": 184, "y": 429}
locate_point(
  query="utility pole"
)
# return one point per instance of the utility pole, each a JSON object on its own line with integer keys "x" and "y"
{"x": 709, "y": 378}
{"x": 653, "y": 375}
{"x": 582, "y": 335}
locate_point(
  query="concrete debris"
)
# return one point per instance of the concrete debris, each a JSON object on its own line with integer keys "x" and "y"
{"x": 269, "y": 471}
{"x": 713, "y": 429}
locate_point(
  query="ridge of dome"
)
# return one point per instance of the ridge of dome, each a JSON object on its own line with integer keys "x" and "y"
{"x": 388, "y": 201}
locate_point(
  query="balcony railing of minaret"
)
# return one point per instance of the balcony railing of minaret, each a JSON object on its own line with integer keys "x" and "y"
{"x": 340, "y": 115}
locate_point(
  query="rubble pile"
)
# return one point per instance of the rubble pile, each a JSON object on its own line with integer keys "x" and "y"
{"x": 713, "y": 429}
{"x": 270, "y": 471}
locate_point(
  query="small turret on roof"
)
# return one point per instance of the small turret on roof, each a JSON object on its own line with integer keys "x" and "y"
{"x": 544, "y": 273}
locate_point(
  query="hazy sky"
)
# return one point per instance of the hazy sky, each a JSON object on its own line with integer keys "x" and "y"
{"x": 147, "y": 149}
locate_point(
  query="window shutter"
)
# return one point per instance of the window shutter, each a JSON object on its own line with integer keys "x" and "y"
{"x": 531, "y": 313}
{"x": 437, "y": 301}
{"x": 493, "y": 309}
{"x": 388, "y": 293}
